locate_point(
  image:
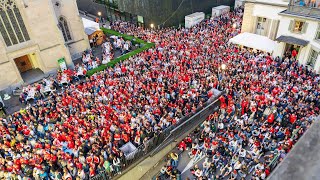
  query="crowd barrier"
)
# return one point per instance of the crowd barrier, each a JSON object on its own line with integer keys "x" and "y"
{"x": 168, "y": 135}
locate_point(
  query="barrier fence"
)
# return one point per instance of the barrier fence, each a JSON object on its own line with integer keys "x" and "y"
{"x": 168, "y": 135}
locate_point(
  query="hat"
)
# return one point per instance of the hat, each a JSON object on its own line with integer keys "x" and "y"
{"x": 6, "y": 97}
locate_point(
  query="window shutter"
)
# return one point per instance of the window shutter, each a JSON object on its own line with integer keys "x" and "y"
{"x": 317, "y": 32}
{"x": 304, "y": 28}
{"x": 274, "y": 30}
{"x": 291, "y": 25}
{"x": 254, "y": 28}
{"x": 267, "y": 27}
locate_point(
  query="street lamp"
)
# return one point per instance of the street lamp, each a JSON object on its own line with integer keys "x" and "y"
{"x": 234, "y": 25}
{"x": 152, "y": 26}
{"x": 223, "y": 67}
{"x": 99, "y": 13}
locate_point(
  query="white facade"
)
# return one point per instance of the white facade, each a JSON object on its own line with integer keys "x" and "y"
{"x": 309, "y": 34}
{"x": 269, "y": 18}
{"x": 262, "y": 17}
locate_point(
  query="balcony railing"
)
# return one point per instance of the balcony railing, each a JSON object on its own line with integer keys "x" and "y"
{"x": 310, "y": 8}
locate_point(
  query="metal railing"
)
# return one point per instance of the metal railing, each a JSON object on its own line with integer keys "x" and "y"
{"x": 188, "y": 123}
{"x": 168, "y": 135}
{"x": 304, "y": 10}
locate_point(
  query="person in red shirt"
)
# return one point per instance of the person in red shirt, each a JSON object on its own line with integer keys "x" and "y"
{"x": 293, "y": 118}
{"x": 294, "y": 53}
{"x": 270, "y": 118}
{"x": 182, "y": 146}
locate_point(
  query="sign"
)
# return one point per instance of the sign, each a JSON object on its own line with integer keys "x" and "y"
{"x": 140, "y": 19}
{"x": 62, "y": 63}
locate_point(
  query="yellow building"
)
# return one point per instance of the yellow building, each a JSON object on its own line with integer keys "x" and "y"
{"x": 34, "y": 34}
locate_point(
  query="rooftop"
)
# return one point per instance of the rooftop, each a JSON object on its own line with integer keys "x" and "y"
{"x": 304, "y": 8}
{"x": 271, "y": 2}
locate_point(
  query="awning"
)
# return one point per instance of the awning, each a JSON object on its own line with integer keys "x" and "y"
{"x": 90, "y": 26}
{"x": 90, "y": 30}
{"x": 292, "y": 40}
{"x": 254, "y": 41}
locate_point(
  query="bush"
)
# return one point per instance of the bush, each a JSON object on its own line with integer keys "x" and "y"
{"x": 125, "y": 56}
{"x": 126, "y": 37}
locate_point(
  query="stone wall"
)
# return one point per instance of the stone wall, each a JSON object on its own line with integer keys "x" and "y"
{"x": 69, "y": 10}
{"x": 46, "y": 42}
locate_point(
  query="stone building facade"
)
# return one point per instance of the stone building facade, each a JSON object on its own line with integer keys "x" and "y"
{"x": 34, "y": 34}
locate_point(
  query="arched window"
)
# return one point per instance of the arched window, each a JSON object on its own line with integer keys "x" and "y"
{"x": 65, "y": 29}
{"x": 12, "y": 27}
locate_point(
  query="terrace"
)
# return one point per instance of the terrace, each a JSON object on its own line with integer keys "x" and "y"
{"x": 306, "y": 8}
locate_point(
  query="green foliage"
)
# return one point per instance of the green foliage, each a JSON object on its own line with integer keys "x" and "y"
{"x": 126, "y": 37}
{"x": 134, "y": 40}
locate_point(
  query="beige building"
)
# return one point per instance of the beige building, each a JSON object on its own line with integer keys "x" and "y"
{"x": 288, "y": 25}
{"x": 299, "y": 29}
{"x": 34, "y": 34}
{"x": 262, "y": 17}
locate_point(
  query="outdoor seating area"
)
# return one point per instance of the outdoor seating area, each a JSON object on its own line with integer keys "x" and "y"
{"x": 81, "y": 125}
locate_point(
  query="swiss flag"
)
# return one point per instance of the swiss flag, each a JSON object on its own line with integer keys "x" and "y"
{"x": 293, "y": 118}
{"x": 271, "y": 118}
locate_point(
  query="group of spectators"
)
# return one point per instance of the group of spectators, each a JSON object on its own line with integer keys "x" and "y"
{"x": 107, "y": 54}
{"x": 308, "y": 3}
{"x": 269, "y": 103}
{"x": 78, "y": 132}
{"x": 120, "y": 44}
{"x": 89, "y": 61}
{"x": 40, "y": 90}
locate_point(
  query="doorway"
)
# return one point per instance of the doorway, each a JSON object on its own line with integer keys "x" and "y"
{"x": 29, "y": 68}
{"x": 23, "y": 63}
{"x": 290, "y": 47}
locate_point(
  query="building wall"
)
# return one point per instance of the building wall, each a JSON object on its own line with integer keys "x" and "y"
{"x": 309, "y": 35}
{"x": 69, "y": 10}
{"x": 247, "y": 23}
{"x": 46, "y": 44}
{"x": 168, "y": 12}
{"x": 270, "y": 12}
{"x": 278, "y": 24}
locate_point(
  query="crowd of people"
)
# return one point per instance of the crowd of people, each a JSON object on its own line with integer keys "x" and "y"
{"x": 107, "y": 54}
{"x": 269, "y": 103}
{"x": 45, "y": 87}
{"x": 89, "y": 61}
{"x": 42, "y": 89}
{"x": 78, "y": 132}
{"x": 307, "y": 3}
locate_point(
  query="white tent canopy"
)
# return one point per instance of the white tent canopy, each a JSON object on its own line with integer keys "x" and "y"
{"x": 254, "y": 41}
{"x": 90, "y": 26}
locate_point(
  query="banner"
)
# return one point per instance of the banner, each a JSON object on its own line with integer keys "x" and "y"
{"x": 62, "y": 63}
